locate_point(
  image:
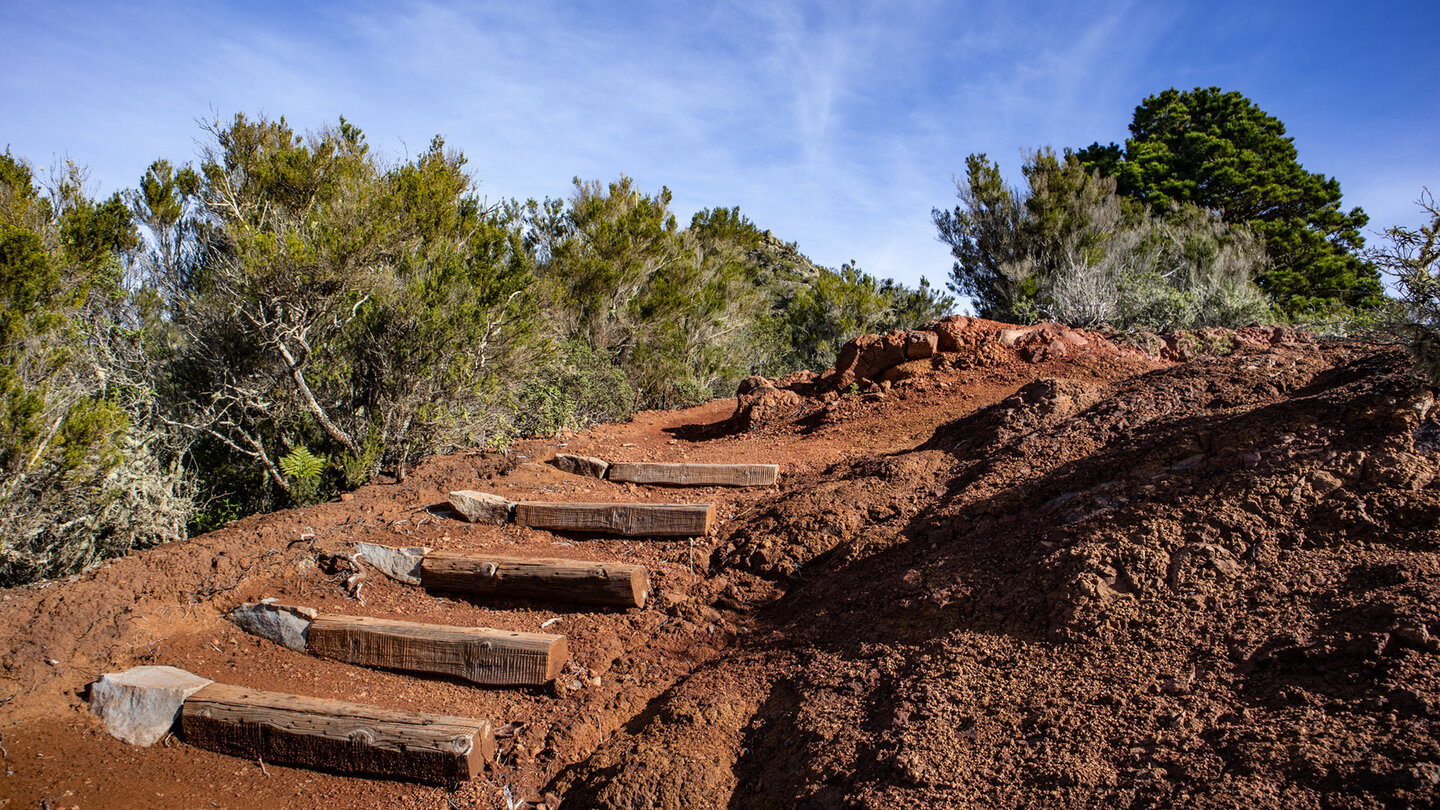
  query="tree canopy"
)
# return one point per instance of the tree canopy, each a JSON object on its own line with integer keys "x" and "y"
{"x": 1219, "y": 151}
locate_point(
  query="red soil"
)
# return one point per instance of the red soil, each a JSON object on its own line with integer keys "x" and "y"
{"x": 1003, "y": 574}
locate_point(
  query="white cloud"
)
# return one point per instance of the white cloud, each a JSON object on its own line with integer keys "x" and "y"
{"x": 838, "y": 124}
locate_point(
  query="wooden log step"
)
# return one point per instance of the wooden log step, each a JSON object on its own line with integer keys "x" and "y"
{"x": 336, "y": 736}
{"x": 477, "y": 654}
{"x": 629, "y": 519}
{"x": 695, "y": 475}
{"x": 596, "y": 583}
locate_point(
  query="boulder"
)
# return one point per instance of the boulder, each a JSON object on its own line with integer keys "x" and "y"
{"x": 952, "y": 333}
{"x": 141, "y": 704}
{"x": 482, "y": 507}
{"x": 867, "y": 357}
{"x": 759, "y": 402}
{"x": 1011, "y": 337}
{"x": 802, "y": 382}
{"x": 921, "y": 344}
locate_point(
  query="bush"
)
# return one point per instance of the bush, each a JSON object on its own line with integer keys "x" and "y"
{"x": 306, "y": 293}
{"x": 1412, "y": 258}
{"x": 83, "y": 469}
{"x": 840, "y": 304}
{"x": 1069, "y": 248}
{"x": 581, "y": 387}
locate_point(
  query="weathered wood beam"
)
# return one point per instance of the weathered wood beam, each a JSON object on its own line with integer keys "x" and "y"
{"x": 335, "y": 735}
{"x": 477, "y": 654}
{"x": 596, "y": 583}
{"x": 694, "y": 475}
{"x": 630, "y": 519}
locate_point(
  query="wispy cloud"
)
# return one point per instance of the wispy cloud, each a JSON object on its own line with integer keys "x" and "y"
{"x": 837, "y": 124}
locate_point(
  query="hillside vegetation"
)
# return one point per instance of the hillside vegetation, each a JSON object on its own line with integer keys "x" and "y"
{"x": 294, "y": 314}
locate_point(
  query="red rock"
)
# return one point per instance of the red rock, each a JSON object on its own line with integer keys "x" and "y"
{"x": 758, "y": 402}
{"x": 920, "y": 344}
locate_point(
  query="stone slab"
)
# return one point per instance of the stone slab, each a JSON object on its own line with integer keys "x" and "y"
{"x": 140, "y": 705}
{"x": 402, "y": 564}
{"x": 285, "y": 625}
{"x": 482, "y": 507}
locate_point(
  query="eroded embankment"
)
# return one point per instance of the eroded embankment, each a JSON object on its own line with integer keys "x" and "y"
{"x": 1211, "y": 584}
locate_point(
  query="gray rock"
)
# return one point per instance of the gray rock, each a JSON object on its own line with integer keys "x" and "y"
{"x": 581, "y": 465}
{"x": 402, "y": 564}
{"x": 286, "y": 625}
{"x": 482, "y": 507}
{"x": 140, "y": 705}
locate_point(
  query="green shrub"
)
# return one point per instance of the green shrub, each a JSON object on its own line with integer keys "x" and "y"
{"x": 84, "y": 472}
{"x": 1069, "y": 248}
{"x": 1412, "y": 258}
{"x": 581, "y": 387}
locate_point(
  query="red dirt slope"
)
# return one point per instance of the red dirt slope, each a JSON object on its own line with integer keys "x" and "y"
{"x": 1022, "y": 569}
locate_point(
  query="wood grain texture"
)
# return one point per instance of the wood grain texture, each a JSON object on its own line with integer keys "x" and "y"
{"x": 595, "y": 583}
{"x": 477, "y": 654}
{"x": 694, "y": 475}
{"x": 629, "y": 519}
{"x": 336, "y": 736}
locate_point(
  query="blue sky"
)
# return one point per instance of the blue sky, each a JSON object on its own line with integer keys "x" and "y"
{"x": 837, "y": 124}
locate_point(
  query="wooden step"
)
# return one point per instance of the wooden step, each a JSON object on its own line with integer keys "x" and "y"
{"x": 630, "y": 519}
{"x": 596, "y": 583}
{"x": 477, "y": 654}
{"x": 336, "y": 736}
{"x": 694, "y": 475}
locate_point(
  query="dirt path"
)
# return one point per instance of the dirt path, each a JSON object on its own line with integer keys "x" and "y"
{"x": 1130, "y": 582}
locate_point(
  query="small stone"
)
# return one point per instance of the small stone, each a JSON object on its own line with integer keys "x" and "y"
{"x": 1415, "y": 637}
{"x": 482, "y": 507}
{"x": 347, "y": 497}
{"x": 1323, "y": 483}
{"x": 1190, "y": 462}
{"x": 1180, "y": 685}
{"x": 1250, "y": 459}
{"x": 140, "y": 705}
{"x": 401, "y": 564}
{"x": 286, "y": 625}
{"x": 581, "y": 465}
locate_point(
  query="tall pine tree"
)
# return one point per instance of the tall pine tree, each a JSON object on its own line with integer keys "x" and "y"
{"x": 1218, "y": 150}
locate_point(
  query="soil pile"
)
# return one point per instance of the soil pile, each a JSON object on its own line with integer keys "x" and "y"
{"x": 1013, "y": 567}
